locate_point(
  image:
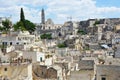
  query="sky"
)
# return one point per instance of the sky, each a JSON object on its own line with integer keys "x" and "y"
{"x": 60, "y": 11}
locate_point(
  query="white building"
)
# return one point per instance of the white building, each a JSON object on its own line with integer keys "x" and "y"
{"x": 21, "y": 40}
{"x": 39, "y": 57}
{"x": 35, "y": 56}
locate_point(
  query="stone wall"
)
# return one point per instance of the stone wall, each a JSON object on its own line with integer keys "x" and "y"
{"x": 44, "y": 72}
{"x": 86, "y": 64}
{"x": 52, "y": 73}
{"x": 17, "y": 72}
{"x": 110, "y": 72}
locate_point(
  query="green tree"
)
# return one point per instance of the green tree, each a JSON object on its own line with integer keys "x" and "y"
{"x": 61, "y": 45}
{"x": 46, "y": 36}
{"x": 1, "y": 28}
{"x": 19, "y": 26}
{"x": 81, "y": 32}
{"x": 29, "y": 26}
{"x": 6, "y": 25}
{"x": 22, "y": 17}
{"x": 24, "y": 24}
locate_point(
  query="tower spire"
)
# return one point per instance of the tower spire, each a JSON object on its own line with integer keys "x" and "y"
{"x": 42, "y": 16}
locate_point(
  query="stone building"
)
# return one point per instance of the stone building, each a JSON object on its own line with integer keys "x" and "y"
{"x": 117, "y": 28}
{"x": 49, "y": 24}
{"x": 19, "y": 72}
{"x": 67, "y": 28}
{"x": 20, "y": 40}
{"x": 108, "y": 72}
{"x": 48, "y": 72}
{"x": 86, "y": 64}
{"x": 117, "y": 51}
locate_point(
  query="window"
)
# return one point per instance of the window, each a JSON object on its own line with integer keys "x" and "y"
{"x": 17, "y": 43}
{"x": 4, "y": 43}
{"x": 40, "y": 59}
{"x": 49, "y": 27}
{"x": 10, "y": 43}
{"x": 5, "y": 69}
{"x": 43, "y": 27}
{"x": 103, "y": 78}
{"x": 42, "y": 73}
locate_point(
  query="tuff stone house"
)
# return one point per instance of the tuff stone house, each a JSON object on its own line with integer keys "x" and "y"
{"x": 117, "y": 51}
{"x": 67, "y": 28}
{"x": 108, "y": 72}
{"x": 20, "y": 40}
{"x": 18, "y": 72}
{"x": 48, "y": 72}
{"x": 117, "y": 28}
{"x": 86, "y": 64}
{"x": 38, "y": 57}
{"x": 109, "y": 24}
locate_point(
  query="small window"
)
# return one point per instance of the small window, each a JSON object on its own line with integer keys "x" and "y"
{"x": 4, "y": 79}
{"x": 40, "y": 59}
{"x": 42, "y": 73}
{"x": 10, "y": 43}
{"x": 17, "y": 43}
{"x": 5, "y": 69}
{"x": 103, "y": 78}
{"x": 43, "y": 27}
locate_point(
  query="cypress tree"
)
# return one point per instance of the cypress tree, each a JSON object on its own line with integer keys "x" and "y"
{"x": 24, "y": 24}
{"x": 22, "y": 17}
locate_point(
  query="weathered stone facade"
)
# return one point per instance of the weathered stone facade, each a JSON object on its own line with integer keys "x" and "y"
{"x": 108, "y": 72}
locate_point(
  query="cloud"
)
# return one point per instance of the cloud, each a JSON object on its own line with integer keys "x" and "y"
{"x": 80, "y": 10}
{"x": 57, "y": 10}
{"x": 108, "y": 9}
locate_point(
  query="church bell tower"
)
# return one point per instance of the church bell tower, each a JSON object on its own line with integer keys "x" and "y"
{"x": 42, "y": 17}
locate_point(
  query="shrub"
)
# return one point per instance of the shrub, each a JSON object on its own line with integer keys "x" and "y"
{"x": 61, "y": 45}
{"x": 81, "y": 32}
{"x": 46, "y": 36}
